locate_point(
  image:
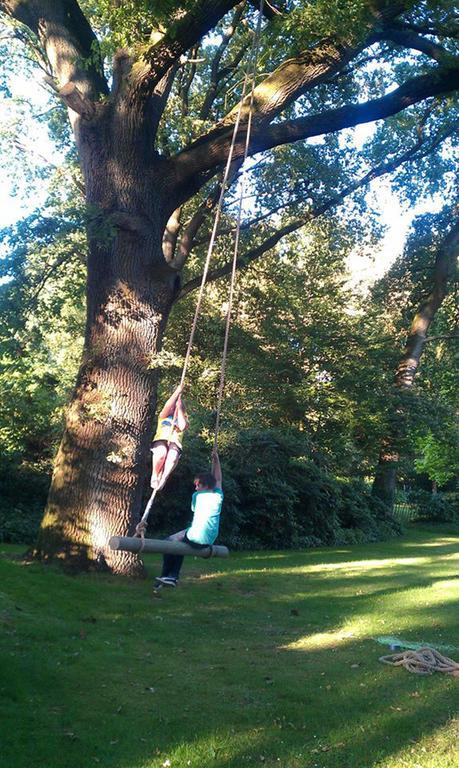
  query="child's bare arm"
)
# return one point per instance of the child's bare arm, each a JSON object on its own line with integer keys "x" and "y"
{"x": 216, "y": 469}
{"x": 169, "y": 406}
{"x": 182, "y": 419}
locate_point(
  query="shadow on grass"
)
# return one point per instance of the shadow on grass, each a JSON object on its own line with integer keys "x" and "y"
{"x": 265, "y": 660}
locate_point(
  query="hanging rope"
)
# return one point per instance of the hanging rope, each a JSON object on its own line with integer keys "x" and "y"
{"x": 422, "y": 662}
{"x": 253, "y": 66}
{"x": 253, "y": 62}
{"x": 221, "y": 387}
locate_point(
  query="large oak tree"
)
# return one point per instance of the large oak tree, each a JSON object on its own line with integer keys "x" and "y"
{"x": 141, "y": 178}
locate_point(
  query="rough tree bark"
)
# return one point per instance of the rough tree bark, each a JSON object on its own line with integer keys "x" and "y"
{"x": 384, "y": 484}
{"x": 132, "y": 192}
{"x": 97, "y": 483}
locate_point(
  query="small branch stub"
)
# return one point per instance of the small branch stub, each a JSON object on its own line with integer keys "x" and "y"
{"x": 74, "y": 99}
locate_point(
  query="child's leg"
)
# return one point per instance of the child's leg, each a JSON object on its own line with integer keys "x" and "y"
{"x": 173, "y": 563}
{"x": 159, "y": 454}
{"x": 169, "y": 464}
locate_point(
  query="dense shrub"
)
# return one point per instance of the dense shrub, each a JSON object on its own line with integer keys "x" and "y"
{"x": 23, "y": 493}
{"x": 275, "y": 496}
{"x": 436, "y": 507}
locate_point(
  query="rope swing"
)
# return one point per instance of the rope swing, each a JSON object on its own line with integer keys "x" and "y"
{"x": 250, "y": 74}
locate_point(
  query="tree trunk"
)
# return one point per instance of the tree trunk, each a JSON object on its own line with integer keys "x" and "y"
{"x": 98, "y": 480}
{"x": 386, "y": 475}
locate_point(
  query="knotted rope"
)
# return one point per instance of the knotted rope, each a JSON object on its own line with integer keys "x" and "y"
{"x": 424, "y": 661}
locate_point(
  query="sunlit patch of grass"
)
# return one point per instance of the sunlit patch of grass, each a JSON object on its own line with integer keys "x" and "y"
{"x": 267, "y": 659}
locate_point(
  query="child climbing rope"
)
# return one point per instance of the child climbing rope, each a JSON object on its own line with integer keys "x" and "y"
{"x": 167, "y": 442}
{"x": 206, "y": 504}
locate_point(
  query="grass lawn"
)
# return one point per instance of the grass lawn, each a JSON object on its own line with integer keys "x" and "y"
{"x": 264, "y": 659}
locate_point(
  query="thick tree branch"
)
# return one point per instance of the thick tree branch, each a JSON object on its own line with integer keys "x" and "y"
{"x": 193, "y": 226}
{"x": 171, "y": 234}
{"x": 449, "y": 27}
{"x": 67, "y": 39}
{"x": 185, "y": 33}
{"x": 202, "y": 156}
{"x": 439, "y": 81}
{"x": 295, "y": 76}
{"x": 408, "y": 39}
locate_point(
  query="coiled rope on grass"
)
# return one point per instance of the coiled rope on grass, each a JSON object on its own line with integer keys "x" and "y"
{"x": 424, "y": 661}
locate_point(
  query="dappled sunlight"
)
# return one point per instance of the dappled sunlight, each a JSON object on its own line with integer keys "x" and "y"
{"x": 439, "y": 542}
{"x": 99, "y": 534}
{"x": 364, "y": 565}
{"x": 350, "y": 567}
{"x": 222, "y": 747}
{"x": 428, "y": 751}
{"x": 322, "y": 640}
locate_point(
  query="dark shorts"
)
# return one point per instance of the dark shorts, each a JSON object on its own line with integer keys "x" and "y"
{"x": 167, "y": 444}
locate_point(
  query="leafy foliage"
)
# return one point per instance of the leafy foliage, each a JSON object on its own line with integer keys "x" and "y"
{"x": 437, "y": 507}
{"x": 276, "y": 497}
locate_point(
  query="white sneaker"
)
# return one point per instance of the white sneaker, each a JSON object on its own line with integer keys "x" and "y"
{"x": 166, "y": 581}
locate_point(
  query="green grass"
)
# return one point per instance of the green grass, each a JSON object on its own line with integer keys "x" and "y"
{"x": 264, "y": 659}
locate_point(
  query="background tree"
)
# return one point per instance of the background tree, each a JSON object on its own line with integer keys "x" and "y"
{"x": 438, "y": 279}
{"x": 152, "y": 132}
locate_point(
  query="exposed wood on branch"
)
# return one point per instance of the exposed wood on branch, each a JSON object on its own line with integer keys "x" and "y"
{"x": 171, "y": 234}
{"x": 74, "y": 99}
